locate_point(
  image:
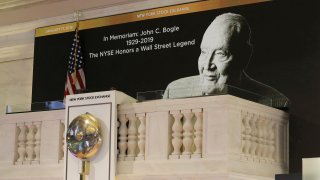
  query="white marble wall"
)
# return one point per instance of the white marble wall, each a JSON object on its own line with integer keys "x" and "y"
{"x": 15, "y": 82}
{"x": 17, "y": 43}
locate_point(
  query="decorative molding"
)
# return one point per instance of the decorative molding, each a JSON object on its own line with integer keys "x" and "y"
{"x": 17, "y": 52}
{"x": 8, "y": 4}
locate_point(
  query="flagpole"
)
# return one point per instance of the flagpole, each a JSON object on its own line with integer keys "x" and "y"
{"x": 75, "y": 80}
{"x": 77, "y": 15}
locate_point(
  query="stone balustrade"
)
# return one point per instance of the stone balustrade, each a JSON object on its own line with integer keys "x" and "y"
{"x": 217, "y": 137}
{"x": 32, "y": 145}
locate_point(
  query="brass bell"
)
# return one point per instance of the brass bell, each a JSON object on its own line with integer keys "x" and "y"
{"x": 84, "y": 139}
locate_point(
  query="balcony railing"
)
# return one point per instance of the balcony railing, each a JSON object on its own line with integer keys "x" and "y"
{"x": 205, "y": 134}
{"x": 32, "y": 145}
{"x": 204, "y": 138}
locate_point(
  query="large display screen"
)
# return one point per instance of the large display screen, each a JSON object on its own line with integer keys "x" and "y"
{"x": 147, "y": 50}
{"x": 134, "y": 52}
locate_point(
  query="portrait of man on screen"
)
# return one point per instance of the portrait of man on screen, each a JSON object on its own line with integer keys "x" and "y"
{"x": 226, "y": 50}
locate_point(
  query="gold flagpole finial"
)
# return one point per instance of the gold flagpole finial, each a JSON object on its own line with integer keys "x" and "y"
{"x": 77, "y": 14}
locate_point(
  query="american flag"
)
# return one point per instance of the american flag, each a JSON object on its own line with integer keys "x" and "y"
{"x": 75, "y": 80}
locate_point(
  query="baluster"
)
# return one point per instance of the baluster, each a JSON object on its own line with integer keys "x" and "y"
{"x": 62, "y": 140}
{"x": 21, "y": 143}
{"x": 187, "y": 140}
{"x": 141, "y": 136}
{"x": 118, "y": 140}
{"x": 284, "y": 146}
{"x": 254, "y": 134}
{"x": 243, "y": 131}
{"x": 30, "y": 143}
{"x": 247, "y": 133}
{"x": 123, "y": 132}
{"x": 283, "y": 134}
{"x": 264, "y": 138}
{"x": 176, "y": 135}
{"x": 271, "y": 150}
{"x": 198, "y": 134}
{"x": 37, "y": 140}
{"x": 281, "y": 143}
{"x": 259, "y": 137}
{"x": 132, "y": 138}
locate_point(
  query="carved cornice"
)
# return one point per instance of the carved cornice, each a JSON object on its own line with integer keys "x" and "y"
{"x": 8, "y": 4}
